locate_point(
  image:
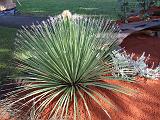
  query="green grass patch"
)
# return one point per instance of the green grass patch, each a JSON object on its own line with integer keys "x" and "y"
{"x": 7, "y": 36}
{"x": 4, "y": 50}
{"x": 54, "y": 7}
{"x": 3, "y": 65}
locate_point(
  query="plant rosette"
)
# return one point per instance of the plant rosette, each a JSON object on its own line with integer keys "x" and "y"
{"x": 66, "y": 64}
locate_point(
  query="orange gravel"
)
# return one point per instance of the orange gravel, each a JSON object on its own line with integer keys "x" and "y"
{"x": 139, "y": 43}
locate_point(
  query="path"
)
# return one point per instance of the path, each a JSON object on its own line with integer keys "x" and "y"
{"x": 137, "y": 26}
{"x": 130, "y": 28}
{"x": 18, "y": 21}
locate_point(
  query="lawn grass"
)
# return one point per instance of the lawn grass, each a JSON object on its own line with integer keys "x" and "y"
{"x": 7, "y": 36}
{"x": 54, "y": 7}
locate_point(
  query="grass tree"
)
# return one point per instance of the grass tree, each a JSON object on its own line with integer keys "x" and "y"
{"x": 64, "y": 61}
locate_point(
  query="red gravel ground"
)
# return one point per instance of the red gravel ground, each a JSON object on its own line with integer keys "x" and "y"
{"x": 139, "y": 43}
{"x": 145, "y": 105}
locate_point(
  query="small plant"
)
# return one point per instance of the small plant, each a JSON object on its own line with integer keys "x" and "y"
{"x": 127, "y": 67}
{"x": 63, "y": 61}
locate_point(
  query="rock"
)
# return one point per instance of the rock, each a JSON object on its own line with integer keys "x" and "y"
{"x": 6, "y": 4}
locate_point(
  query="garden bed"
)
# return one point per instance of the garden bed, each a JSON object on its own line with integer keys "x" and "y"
{"x": 141, "y": 106}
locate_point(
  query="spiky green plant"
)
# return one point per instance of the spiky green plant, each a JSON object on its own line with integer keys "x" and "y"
{"x": 62, "y": 60}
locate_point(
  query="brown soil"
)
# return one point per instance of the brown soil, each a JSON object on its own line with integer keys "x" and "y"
{"x": 153, "y": 9}
{"x": 133, "y": 19}
{"x": 139, "y": 43}
{"x": 141, "y": 106}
